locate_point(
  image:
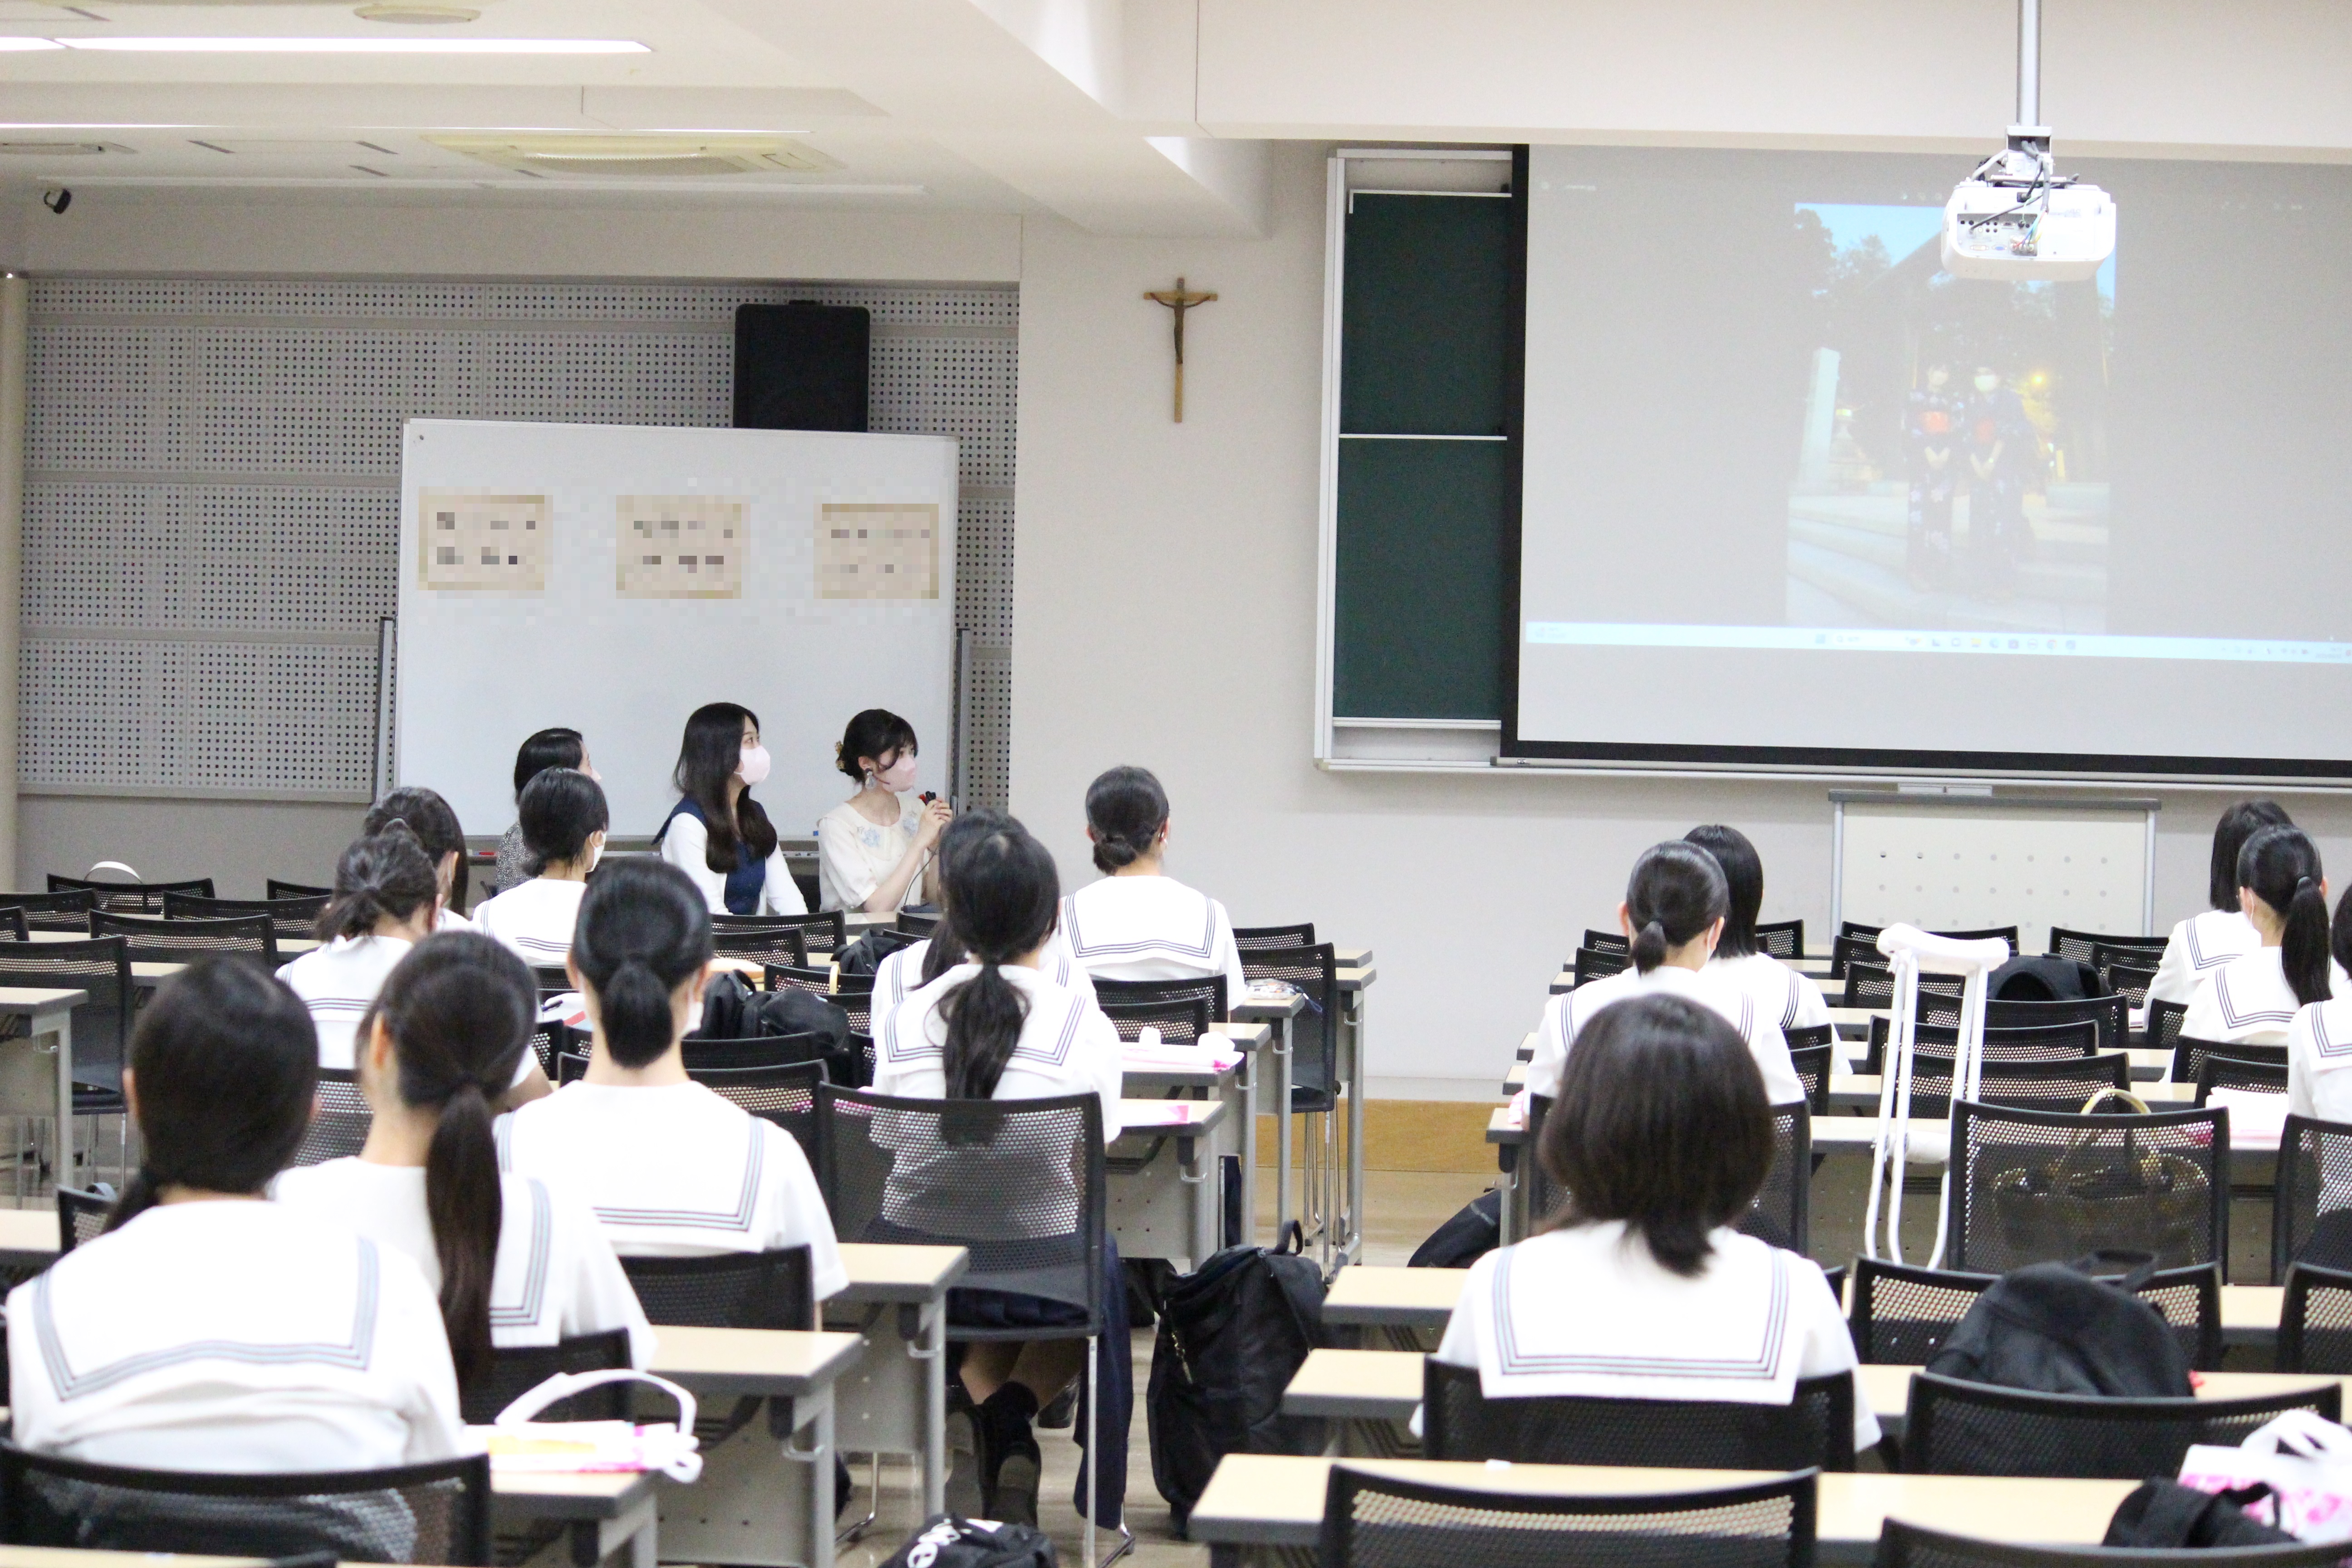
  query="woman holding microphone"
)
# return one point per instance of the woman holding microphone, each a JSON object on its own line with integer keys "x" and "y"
{"x": 875, "y": 850}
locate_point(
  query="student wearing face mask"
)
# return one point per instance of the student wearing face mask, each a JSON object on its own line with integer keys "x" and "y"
{"x": 563, "y": 822}
{"x": 875, "y": 849}
{"x": 716, "y": 833}
{"x": 553, "y": 748}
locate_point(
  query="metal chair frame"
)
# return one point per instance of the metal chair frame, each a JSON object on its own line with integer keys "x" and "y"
{"x": 2224, "y": 1421}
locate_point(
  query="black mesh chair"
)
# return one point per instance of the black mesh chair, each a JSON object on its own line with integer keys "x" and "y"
{"x": 783, "y": 1094}
{"x": 1958, "y": 1428}
{"x": 702, "y": 1051}
{"x": 1802, "y": 1037}
{"x": 1781, "y": 1213}
{"x": 772, "y": 1290}
{"x": 2311, "y": 1216}
{"x": 1899, "y": 1314}
{"x": 14, "y": 926}
{"x": 1379, "y": 1521}
{"x": 1608, "y": 942}
{"x": 154, "y": 939}
{"x": 1902, "y": 1545}
{"x": 920, "y": 927}
{"x": 339, "y": 1127}
{"x": 816, "y": 980}
{"x": 2127, "y": 980}
{"x": 2035, "y": 1085}
{"x": 2032, "y": 1043}
{"x": 81, "y": 1216}
{"x": 1873, "y": 985}
{"x": 1782, "y": 939}
{"x": 1179, "y": 1023}
{"x": 2218, "y": 1071}
{"x": 273, "y": 890}
{"x": 785, "y": 945}
{"x": 2112, "y": 1013}
{"x": 1209, "y": 988}
{"x": 2164, "y": 1021}
{"x": 1599, "y": 963}
{"x": 516, "y": 1370}
{"x": 1848, "y": 951}
{"x": 1253, "y": 939}
{"x": 1813, "y": 1063}
{"x": 2190, "y": 1054}
{"x": 69, "y": 910}
{"x": 2033, "y": 1186}
{"x": 1814, "y": 1430}
{"x": 296, "y": 916}
{"x": 2315, "y": 1331}
{"x": 1315, "y": 1083}
{"x": 2083, "y": 946}
{"x": 130, "y": 897}
{"x": 101, "y": 1026}
{"x": 821, "y": 935}
{"x": 438, "y": 1513}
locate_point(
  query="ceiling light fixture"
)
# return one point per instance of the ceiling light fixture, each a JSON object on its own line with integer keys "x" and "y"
{"x": 372, "y": 44}
{"x": 24, "y": 46}
{"x": 414, "y": 12}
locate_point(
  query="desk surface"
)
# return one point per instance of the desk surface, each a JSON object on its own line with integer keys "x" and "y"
{"x": 36, "y": 1000}
{"x": 899, "y": 1273}
{"x": 1399, "y": 1297}
{"x": 602, "y": 1495}
{"x": 1168, "y": 1115}
{"x": 765, "y": 1362}
{"x": 1278, "y": 1499}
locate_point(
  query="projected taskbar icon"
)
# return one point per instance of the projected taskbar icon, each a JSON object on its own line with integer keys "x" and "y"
{"x": 1841, "y": 639}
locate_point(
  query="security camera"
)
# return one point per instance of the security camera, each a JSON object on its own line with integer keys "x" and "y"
{"x": 57, "y": 199}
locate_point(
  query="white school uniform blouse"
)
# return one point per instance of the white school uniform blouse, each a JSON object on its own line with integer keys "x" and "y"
{"x": 2247, "y": 1001}
{"x": 1792, "y": 1000}
{"x": 676, "y": 1171}
{"x": 236, "y": 1336}
{"x": 338, "y": 984}
{"x": 556, "y": 1275}
{"x": 535, "y": 919}
{"x": 1152, "y": 928}
{"x": 901, "y": 973}
{"x": 2198, "y": 946}
{"x": 1568, "y": 1013}
{"x": 1587, "y": 1312}
{"x": 686, "y": 844}
{"x": 2318, "y": 1049}
{"x": 853, "y": 854}
{"x": 1067, "y": 1045}
{"x": 448, "y": 919}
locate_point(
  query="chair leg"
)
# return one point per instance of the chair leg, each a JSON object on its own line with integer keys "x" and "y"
{"x": 1093, "y": 1460}
{"x": 873, "y": 1506}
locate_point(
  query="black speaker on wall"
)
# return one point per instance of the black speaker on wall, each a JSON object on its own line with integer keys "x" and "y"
{"x": 800, "y": 366}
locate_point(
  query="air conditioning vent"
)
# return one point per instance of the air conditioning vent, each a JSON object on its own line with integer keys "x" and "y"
{"x": 652, "y": 156}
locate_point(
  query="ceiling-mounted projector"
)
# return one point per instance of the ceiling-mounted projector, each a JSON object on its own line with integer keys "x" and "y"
{"x": 2017, "y": 218}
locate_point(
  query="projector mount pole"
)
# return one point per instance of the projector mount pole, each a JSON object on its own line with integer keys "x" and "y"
{"x": 2028, "y": 62}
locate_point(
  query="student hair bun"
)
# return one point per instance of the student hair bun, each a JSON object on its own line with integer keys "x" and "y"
{"x": 644, "y": 930}
{"x": 435, "y": 826}
{"x": 1676, "y": 891}
{"x": 875, "y": 733}
{"x": 386, "y": 874}
{"x": 1126, "y": 809}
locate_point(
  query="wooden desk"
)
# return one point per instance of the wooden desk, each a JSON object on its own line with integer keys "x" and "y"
{"x": 1161, "y": 1207}
{"x": 37, "y": 1066}
{"x": 1277, "y": 1499}
{"x": 894, "y": 1401}
{"x": 28, "y": 1237}
{"x": 1368, "y": 1295}
{"x": 1352, "y": 957}
{"x": 605, "y": 1512}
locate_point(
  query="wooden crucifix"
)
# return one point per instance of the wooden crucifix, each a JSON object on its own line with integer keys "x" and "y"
{"x": 1179, "y": 302}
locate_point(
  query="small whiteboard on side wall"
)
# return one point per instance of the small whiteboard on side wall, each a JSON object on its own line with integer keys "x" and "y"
{"x": 614, "y": 578}
{"x": 1974, "y": 862}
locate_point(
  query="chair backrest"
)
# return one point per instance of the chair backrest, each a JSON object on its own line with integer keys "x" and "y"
{"x": 1019, "y": 1182}
{"x": 1250, "y": 939}
{"x": 101, "y": 1026}
{"x": 779, "y": 944}
{"x": 2042, "y": 1085}
{"x": 2190, "y": 1054}
{"x": 1210, "y": 988}
{"x": 154, "y": 939}
{"x": 916, "y": 925}
{"x": 2218, "y": 1071}
{"x": 1801, "y": 1036}
{"x": 130, "y": 897}
{"x": 273, "y": 889}
{"x": 81, "y": 1216}
{"x": 1315, "y": 1033}
{"x": 338, "y": 1126}
{"x": 1179, "y": 1023}
{"x": 66, "y": 910}
{"x": 1599, "y": 963}
{"x": 2164, "y": 1021}
{"x": 2311, "y": 1211}
{"x": 1380, "y": 1521}
{"x": 1813, "y": 1064}
{"x": 1815, "y": 1429}
{"x": 2083, "y": 946}
{"x": 2128, "y": 980}
{"x": 2315, "y": 1332}
{"x": 819, "y": 978}
{"x": 1902, "y": 1545}
{"x": 701, "y": 1051}
{"x": 1899, "y": 1314}
{"x": 296, "y": 916}
{"x": 14, "y": 926}
{"x": 772, "y": 1290}
{"x": 2111, "y": 1013}
{"x": 2027, "y": 1043}
{"x": 823, "y": 935}
{"x": 1846, "y": 951}
{"x": 1782, "y": 939}
{"x": 2033, "y": 1186}
{"x": 516, "y": 1370}
{"x": 1953, "y": 1428}
{"x": 784, "y": 1094}
{"x": 1607, "y": 941}
{"x": 1873, "y": 985}
{"x": 438, "y": 1513}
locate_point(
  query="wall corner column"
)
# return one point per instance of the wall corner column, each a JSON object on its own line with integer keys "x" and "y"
{"x": 15, "y": 307}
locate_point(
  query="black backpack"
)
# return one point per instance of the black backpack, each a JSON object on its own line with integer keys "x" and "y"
{"x": 2043, "y": 980}
{"x": 733, "y": 1011}
{"x": 947, "y": 1541}
{"x": 865, "y": 955}
{"x": 2168, "y": 1514}
{"x": 1474, "y": 1230}
{"x": 1232, "y": 1335}
{"x": 2053, "y": 1328}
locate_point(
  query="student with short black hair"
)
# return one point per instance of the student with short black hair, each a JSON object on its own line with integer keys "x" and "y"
{"x": 2206, "y": 941}
{"x": 1794, "y": 999}
{"x": 1673, "y": 913}
{"x": 995, "y": 1027}
{"x": 1638, "y": 1287}
{"x": 563, "y": 824}
{"x": 208, "y": 1328}
{"x": 516, "y": 1260}
{"x": 672, "y": 1169}
{"x": 716, "y": 833}
{"x": 429, "y": 817}
{"x": 916, "y": 965}
{"x": 1139, "y": 922}
{"x": 2254, "y": 998}
{"x": 875, "y": 850}
{"x": 552, "y": 748}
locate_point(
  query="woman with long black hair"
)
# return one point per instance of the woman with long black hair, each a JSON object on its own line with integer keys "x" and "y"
{"x": 2253, "y": 998}
{"x": 716, "y": 833}
{"x": 2211, "y": 937}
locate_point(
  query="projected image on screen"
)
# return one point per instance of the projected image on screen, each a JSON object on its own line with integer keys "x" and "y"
{"x": 1951, "y": 469}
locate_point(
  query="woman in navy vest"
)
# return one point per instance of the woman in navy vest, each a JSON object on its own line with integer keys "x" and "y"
{"x": 716, "y": 833}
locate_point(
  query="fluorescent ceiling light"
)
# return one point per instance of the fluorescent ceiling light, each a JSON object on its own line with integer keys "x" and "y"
{"x": 19, "y": 46}
{"x": 352, "y": 46}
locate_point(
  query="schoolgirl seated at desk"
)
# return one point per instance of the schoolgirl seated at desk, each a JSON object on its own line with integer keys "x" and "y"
{"x": 2254, "y": 998}
{"x": 384, "y": 902}
{"x": 919, "y": 963}
{"x": 558, "y": 747}
{"x": 433, "y": 822}
{"x": 563, "y": 823}
{"x": 716, "y": 833}
{"x": 1139, "y": 922}
{"x": 2206, "y": 941}
{"x": 1794, "y": 1000}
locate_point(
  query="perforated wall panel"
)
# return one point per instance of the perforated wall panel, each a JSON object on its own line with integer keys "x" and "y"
{"x": 213, "y": 490}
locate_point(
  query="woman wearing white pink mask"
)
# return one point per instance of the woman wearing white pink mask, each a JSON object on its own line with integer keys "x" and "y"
{"x": 875, "y": 850}
{"x": 716, "y": 833}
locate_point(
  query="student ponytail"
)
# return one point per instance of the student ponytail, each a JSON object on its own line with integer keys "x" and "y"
{"x": 644, "y": 930}
{"x": 226, "y": 1066}
{"x": 946, "y": 949}
{"x": 1676, "y": 891}
{"x": 1126, "y": 809}
{"x": 2281, "y": 866}
{"x": 1003, "y": 895}
{"x": 386, "y": 875}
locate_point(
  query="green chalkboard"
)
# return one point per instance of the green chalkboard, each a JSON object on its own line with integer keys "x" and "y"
{"x": 1429, "y": 327}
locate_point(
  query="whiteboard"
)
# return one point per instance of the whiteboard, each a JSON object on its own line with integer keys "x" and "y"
{"x": 1968, "y": 863}
{"x": 526, "y": 603}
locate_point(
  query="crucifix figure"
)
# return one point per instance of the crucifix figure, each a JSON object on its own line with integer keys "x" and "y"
{"x": 1178, "y": 301}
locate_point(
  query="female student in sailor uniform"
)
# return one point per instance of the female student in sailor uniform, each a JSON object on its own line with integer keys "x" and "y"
{"x": 553, "y": 748}
{"x": 1794, "y": 1000}
{"x": 1638, "y": 1288}
{"x": 563, "y": 823}
{"x": 716, "y": 833}
{"x": 672, "y": 1169}
{"x": 916, "y": 965}
{"x": 209, "y": 1329}
{"x": 874, "y": 851}
{"x": 516, "y": 1260}
{"x": 2318, "y": 1050}
{"x": 2206, "y": 941}
{"x": 1674, "y": 911}
{"x": 2254, "y": 998}
{"x": 994, "y": 1028}
{"x": 1139, "y": 922}
{"x": 435, "y": 825}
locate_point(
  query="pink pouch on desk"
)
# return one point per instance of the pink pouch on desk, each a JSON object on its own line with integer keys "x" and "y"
{"x": 2303, "y": 1458}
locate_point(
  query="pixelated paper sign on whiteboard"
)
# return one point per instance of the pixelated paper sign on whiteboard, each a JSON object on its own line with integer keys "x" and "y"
{"x": 681, "y": 547}
{"x": 473, "y": 539}
{"x": 866, "y": 550}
